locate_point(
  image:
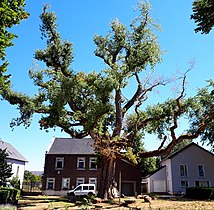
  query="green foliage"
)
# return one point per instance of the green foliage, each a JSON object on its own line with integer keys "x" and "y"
{"x": 203, "y": 110}
{"x": 148, "y": 165}
{"x": 79, "y": 103}
{"x": 9, "y": 195}
{"x": 5, "y": 168}
{"x": 203, "y": 15}
{"x": 201, "y": 193}
{"x": 95, "y": 104}
{"x": 29, "y": 177}
{"x": 4, "y": 196}
{"x": 11, "y": 13}
{"x": 15, "y": 182}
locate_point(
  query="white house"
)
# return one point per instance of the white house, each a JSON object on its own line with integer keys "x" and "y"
{"x": 16, "y": 159}
{"x": 192, "y": 166}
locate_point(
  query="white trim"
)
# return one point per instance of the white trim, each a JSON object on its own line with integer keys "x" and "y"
{"x": 67, "y": 182}
{"x": 80, "y": 180}
{"x": 50, "y": 180}
{"x": 186, "y": 183}
{"x": 79, "y": 160}
{"x": 92, "y": 180}
{"x": 185, "y": 170}
{"x": 92, "y": 160}
{"x": 59, "y": 159}
{"x": 202, "y": 170}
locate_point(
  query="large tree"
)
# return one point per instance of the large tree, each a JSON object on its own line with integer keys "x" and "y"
{"x": 11, "y": 13}
{"x": 203, "y": 15}
{"x": 96, "y": 104}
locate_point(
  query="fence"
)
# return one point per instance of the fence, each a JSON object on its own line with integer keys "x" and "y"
{"x": 32, "y": 186}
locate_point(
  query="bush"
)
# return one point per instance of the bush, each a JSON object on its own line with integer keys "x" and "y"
{"x": 9, "y": 195}
{"x": 4, "y": 196}
{"x": 201, "y": 193}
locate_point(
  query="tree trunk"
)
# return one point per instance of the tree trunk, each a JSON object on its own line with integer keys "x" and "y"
{"x": 107, "y": 178}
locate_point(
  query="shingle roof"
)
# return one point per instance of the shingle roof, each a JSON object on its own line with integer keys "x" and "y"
{"x": 72, "y": 146}
{"x": 12, "y": 152}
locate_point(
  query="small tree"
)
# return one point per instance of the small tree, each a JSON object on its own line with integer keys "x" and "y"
{"x": 5, "y": 168}
{"x": 15, "y": 182}
{"x": 30, "y": 177}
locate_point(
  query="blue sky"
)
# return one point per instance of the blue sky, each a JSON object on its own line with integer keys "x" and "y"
{"x": 78, "y": 22}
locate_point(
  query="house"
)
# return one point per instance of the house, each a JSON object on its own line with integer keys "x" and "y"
{"x": 16, "y": 159}
{"x": 70, "y": 162}
{"x": 191, "y": 166}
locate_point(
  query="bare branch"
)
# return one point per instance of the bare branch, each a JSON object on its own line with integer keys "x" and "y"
{"x": 163, "y": 151}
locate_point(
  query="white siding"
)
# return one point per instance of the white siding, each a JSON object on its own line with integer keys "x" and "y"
{"x": 18, "y": 168}
{"x": 167, "y": 164}
{"x": 159, "y": 176}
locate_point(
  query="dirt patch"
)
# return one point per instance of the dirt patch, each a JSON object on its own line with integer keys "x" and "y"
{"x": 60, "y": 203}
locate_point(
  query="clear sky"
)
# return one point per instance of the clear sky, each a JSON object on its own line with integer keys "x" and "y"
{"x": 78, "y": 22}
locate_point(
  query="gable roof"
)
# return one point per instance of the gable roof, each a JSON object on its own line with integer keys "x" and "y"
{"x": 189, "y": 145}
{"x": 155, "y": 171}
{"x": 72, "y": 146}
{"x": 12, "y": 152}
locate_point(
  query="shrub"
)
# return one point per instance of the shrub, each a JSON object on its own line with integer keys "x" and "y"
{"x": 9, "y": 195}
{"x": 4, "y": 196}
{"x": 201, "y": 193}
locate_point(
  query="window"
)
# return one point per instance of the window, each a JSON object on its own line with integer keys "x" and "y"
{"x": 81, "y": 163}
{"x": 80, "y": 181}
{"x": 93, "y": 163}
{"x": 183, "y": 170}
{"x": 59, "y": 163}
{"x": 201, "y": 170}
{"x": 202, "y": 183}
{"x": 85, "y": 187}
{"x": 184, "y": 183}
{"x": 50, "y": 184}
{"x": 17, "y": 171}
{"x": 65, "y": 183}
{"x": 93, "y": 181}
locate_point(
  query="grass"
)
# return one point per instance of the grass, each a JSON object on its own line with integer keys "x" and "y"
{"x": 8, "y": 207}
{"x": 60, "y": 203}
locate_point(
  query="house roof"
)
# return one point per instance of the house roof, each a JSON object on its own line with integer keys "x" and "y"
{"x": 155, "y": 171}
{"x": 189, "y": 145}
{"x": 72, "y": 146}
{"x": 12, "y": 152}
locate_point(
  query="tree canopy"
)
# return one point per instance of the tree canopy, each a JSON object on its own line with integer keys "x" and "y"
{"x": 30, "y": 177}
{"x": 11, "y": 13}
{"x": 96, "y": 103}
{"x": 203, "y": 15}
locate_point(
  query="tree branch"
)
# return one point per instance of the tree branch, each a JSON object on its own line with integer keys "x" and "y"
{"x": 119, "y": 114}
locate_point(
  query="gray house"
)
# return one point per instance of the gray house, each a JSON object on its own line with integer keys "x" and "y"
{"x": 192, "y": 166}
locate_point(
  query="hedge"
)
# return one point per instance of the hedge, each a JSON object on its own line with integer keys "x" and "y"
{"x": 9, "y": 195}
{"x": 201, "y": 193}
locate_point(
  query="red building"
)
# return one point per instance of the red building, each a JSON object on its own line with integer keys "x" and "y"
{"x": 71, "y": 162}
